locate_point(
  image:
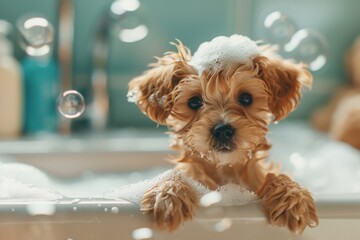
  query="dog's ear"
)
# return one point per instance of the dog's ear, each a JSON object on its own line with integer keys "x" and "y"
{"x": 153, "y": 90}
{"x": 284, "y": 80}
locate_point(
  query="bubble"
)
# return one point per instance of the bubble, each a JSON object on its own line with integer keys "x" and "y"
{"x": 71, "y": 104}
{"x": 106, "y": 209}
{"x": 132, "y": 95}
{"x": 308, "y": 46}
{"x": 115, "y": 210}
{"x": 279, "y": 28}
{"x": 142, "y": 233}
{"x": 210, "y": 198}
{"x": 119, "y": 7}
{"x": 129, "y": 24}
{"x": 36, "y": 35}
{"x": 75, "y": 209}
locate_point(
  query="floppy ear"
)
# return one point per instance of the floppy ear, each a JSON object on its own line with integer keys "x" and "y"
{"x": 153, "y": 91}
{"x": 284, "y": 80}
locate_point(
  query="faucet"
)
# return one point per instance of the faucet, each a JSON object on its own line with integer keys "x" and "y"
{"x": 118, "y": 11}
{"x": 98, "y": 103}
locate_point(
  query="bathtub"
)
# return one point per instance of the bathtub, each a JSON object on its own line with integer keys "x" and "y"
{"x": 83, "y": 167}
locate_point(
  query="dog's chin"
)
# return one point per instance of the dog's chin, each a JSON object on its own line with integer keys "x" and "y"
{"x": 223, "y": 157}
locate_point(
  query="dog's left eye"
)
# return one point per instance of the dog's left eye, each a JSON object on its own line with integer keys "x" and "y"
{"x": 245, "y": 99}
{"x": 195, "y": 103}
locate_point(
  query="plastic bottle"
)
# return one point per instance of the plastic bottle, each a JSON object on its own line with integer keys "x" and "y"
{"x": 41, "y": 84}
{"x": 11, "y": 104}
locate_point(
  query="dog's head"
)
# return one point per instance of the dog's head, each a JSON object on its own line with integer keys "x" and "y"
{"x": 220, "y": 102}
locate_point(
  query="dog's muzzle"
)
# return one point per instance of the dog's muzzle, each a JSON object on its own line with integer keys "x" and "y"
{"x": 223, "y": 135}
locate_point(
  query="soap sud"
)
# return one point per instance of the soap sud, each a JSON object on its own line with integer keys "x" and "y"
{"x": 162, "y": 101}
{"x": 24, "y": 182}
{"x": 152, "y": 100}
{"x": 24, "y": 173}
{"x": 321, "y": 164}
{"x": 13, "y": 189}
{"x": 231, "y": 194}
{"x": 132, "y": 96}
{"x": 222, "y": 52}
{"x": 156, "y": 100}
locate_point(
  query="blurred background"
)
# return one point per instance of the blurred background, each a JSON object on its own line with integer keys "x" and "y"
{"x": 159, "y": 22}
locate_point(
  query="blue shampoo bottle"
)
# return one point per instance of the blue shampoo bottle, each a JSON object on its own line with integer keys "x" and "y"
{"x": 41, "y": 87}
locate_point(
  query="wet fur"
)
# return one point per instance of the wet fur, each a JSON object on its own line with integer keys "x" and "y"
{"x": 275, "y": 85}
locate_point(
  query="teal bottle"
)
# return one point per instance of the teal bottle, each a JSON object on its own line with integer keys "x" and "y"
{"x": 41, "y": 89}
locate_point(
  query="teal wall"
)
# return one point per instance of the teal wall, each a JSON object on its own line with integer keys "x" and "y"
{"x": 195, "y": 21}
{"x": 337, "y": 20}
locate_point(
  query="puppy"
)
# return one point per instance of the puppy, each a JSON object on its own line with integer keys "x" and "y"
{"x": 218, "y": 105}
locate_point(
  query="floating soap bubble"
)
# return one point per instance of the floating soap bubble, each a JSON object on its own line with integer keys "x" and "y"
{"x": 279, "y": 28}
{"x": 308, "y": 46}
{"x": 36, "y": 35}
{"x": 119, "y": 7}
{"x": 71, "y": 104}
{"x": 129, "y": 25}
{"x": 142, "y": 233}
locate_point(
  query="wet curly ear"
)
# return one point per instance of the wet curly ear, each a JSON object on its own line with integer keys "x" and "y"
{"x": 284, "y": 80}
{"x": 153, "y": 90}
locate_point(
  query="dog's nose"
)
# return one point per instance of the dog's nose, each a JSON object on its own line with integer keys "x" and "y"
{"x": 223, "y": 132}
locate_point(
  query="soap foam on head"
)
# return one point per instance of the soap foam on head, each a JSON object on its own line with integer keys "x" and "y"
{"x": 223, "y": 52}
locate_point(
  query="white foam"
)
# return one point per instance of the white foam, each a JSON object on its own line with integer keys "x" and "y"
{"x": 20, "y": 181}
{"x": 231, "y": 194}
{"x": 24, "y": 173}
{"x": 314, "y": 160}
{"x": 13, "y": 189}
{"x": 223, "y": 52}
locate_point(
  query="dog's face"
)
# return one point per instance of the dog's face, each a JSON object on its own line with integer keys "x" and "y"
{"x": 221, "y": 115}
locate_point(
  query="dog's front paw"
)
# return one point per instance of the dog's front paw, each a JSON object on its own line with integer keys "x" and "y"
{"x": 170, "y": 203}
{"x": 287, "y": 204}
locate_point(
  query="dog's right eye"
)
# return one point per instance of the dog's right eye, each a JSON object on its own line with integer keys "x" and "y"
{"x": 195, "y": 103}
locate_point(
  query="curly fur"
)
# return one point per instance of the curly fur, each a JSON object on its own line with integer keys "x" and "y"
{"x": 275, "y": 86}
